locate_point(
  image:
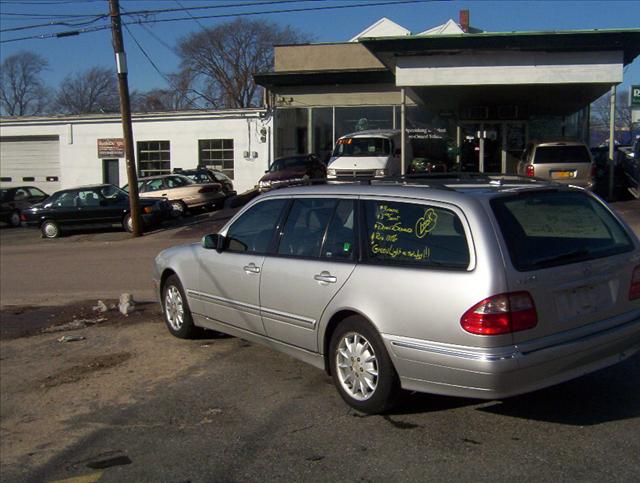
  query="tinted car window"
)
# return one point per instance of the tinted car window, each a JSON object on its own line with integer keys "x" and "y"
{"x": 253, "y": 231}
{"x": 177, "y": 181}
{"x": 415, "y": 234}
{"x": 340, "y": 240}
{"x": 36, "y": 192}
{"x": 561, "y": 154}
{"x": 556, "y": 228}
{"x": 154, "y": 185}
{"x": 288, "y": 163}
{"x": 66, "y": 199}
{"x": 305, "y": 227}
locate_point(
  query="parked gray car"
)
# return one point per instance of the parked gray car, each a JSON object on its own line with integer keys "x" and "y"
{"x": 563, "y": 161}
{"x": 484, "y": 288}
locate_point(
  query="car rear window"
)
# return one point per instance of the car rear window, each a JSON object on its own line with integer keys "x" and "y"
{"x": 415, "y": 234}
{"x": 547, "y": 229}
{"x": 561, "y": 154}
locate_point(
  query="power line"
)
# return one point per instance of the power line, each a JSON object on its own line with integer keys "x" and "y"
{"x": 226, "y": 15}
{"x": 157, "y": 69}
{"x": 95, "y": 18}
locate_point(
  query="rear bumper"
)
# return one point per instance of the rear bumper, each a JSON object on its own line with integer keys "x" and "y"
{"x": 508, "y": 371}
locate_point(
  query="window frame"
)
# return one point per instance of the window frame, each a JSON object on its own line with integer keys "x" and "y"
{"x": 276, "y": 229}
{"x": 363, "y": 236}
{"x": 209, "y": 162}
{"x": 356, "y": 231}
{"x": 144, "y": 173}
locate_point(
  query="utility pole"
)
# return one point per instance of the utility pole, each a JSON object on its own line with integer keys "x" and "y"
{"x": 125, "y": 110}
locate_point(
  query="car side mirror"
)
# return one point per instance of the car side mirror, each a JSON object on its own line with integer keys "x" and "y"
{"x": 213, "y": 241}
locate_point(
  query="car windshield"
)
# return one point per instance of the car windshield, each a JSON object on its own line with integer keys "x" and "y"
{"x": 362, "y": 147}
{"x": 113, "y": 193}
{"x": 288, "y": 163}
{"x": 547, "y": 229}
{"x": 562, "y": 154}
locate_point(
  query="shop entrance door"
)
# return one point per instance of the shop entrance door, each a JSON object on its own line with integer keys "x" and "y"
{"x": 110, "y": 171}
{"x": 484, "y": 147}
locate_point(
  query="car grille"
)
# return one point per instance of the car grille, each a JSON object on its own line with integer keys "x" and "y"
{"x": 355, "y": 174}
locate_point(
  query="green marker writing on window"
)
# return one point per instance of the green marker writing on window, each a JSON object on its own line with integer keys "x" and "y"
{"x": 346, "y": 247}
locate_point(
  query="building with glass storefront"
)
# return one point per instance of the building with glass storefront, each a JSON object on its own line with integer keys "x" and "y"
{"x": 471, "y": 99}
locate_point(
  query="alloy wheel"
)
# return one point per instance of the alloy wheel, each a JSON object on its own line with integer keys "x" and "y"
{"x": 174, "y": 308}
{"x": 357, "y": 366}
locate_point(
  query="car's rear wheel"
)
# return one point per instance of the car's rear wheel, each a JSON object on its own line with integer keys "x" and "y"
{"x": 50, "y": 229}
{"x": 361, "y": 368}
{"x": 127, "y": 223}
{"x": 176, "y": 311}
{"x": 14, "y": 219}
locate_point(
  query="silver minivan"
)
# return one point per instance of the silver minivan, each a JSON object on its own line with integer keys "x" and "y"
{"x": 486, "y": 288}
{"x": 562, "y": 161}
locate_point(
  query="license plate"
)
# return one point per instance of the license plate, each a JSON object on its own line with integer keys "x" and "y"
{"x": 562, "y": 174}
{"x": 583, "y": 300}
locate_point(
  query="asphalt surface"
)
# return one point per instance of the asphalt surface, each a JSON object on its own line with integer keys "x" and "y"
{"x": 246, "y": 413}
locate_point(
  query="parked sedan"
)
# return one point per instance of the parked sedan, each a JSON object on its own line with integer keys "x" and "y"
{"x": 292, "y": 170}
{"x": 14, "y": 200}
{"x": 485, "y": 289}
{"x": 96, "y": 205}
{"x": 182, "y": 193}
{"x": 206, "y": 175}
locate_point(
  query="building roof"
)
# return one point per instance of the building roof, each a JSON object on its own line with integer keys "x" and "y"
{"x": 382, "y": 28}
{"x": 626, "y": 40}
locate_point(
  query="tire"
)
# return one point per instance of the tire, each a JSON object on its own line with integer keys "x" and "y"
{"x": 175, "y": 310}
{"x": 364, "y": 375}
{"x": 127, "y": 223}
{"x": 50, "y": 229}
{"x": 14, "y": 219}
{"x": 179, "y": 208}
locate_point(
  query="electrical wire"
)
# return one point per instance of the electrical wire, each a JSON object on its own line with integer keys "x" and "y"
{"x": 95, "y": 18}
{"x": 226, "y": 15}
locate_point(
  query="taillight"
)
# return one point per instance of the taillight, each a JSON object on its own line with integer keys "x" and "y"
{"x": 23, "y": 217}
{"x": 148, "y": 209}
{"x": 531, "y": 171}
{"x": 634, "y": 290}
{"x": 501, "y": 314}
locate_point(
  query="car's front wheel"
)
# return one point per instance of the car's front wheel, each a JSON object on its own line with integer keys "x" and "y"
{"x": 176, "y": 311}
{"x": 50, "y": 229}
{"x": 179, "y": 208}
{"x": 361, "y": 368}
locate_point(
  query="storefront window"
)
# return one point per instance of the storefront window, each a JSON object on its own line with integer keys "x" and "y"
{"x": 354, "y": 119}
{"x": 432, "y": 139}
{"x": 322, "y": 121}
{"x": 291, "y": 134}
{"x": 154, "y": 157}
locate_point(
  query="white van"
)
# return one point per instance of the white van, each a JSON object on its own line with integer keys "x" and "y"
{"x": 367, "y": 154}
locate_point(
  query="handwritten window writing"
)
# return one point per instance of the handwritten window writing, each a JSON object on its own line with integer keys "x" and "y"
{"x": 417, "y": 234}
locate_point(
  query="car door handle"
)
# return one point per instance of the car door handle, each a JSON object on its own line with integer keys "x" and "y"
{"x": 325, "y": 277}
{"x": 251, "y": 268}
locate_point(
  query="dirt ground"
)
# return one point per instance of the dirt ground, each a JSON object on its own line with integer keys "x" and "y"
{"x": 46, "y": 385}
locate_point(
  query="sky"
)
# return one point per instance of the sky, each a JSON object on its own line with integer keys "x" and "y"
{"x": 69, "y": 55}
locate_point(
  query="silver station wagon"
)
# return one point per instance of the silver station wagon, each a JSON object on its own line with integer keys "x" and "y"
{"x": 484, "y": 288}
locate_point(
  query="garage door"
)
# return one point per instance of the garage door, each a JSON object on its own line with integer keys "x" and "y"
{"x": 31, "y": 161}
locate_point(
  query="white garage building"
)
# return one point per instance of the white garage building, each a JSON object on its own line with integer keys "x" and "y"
{"x": 61, "y": 152}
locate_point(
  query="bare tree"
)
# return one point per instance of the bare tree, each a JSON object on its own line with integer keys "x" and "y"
{"x": 178, "y": 97}
{"x": 92, "y": 91}
{"x": 22, "y": 92}
{"x": 224, "y": 58}
{"x": 601, "y": 115}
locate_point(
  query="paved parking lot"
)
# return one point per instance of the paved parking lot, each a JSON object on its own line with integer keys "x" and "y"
{"x": 131, "y": 403}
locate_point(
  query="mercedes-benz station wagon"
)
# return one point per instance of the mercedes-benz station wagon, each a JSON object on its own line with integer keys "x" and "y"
{"x": 485, "y": 289}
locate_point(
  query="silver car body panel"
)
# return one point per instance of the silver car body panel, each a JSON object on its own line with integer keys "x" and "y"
{"x": 417, "y": 310}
